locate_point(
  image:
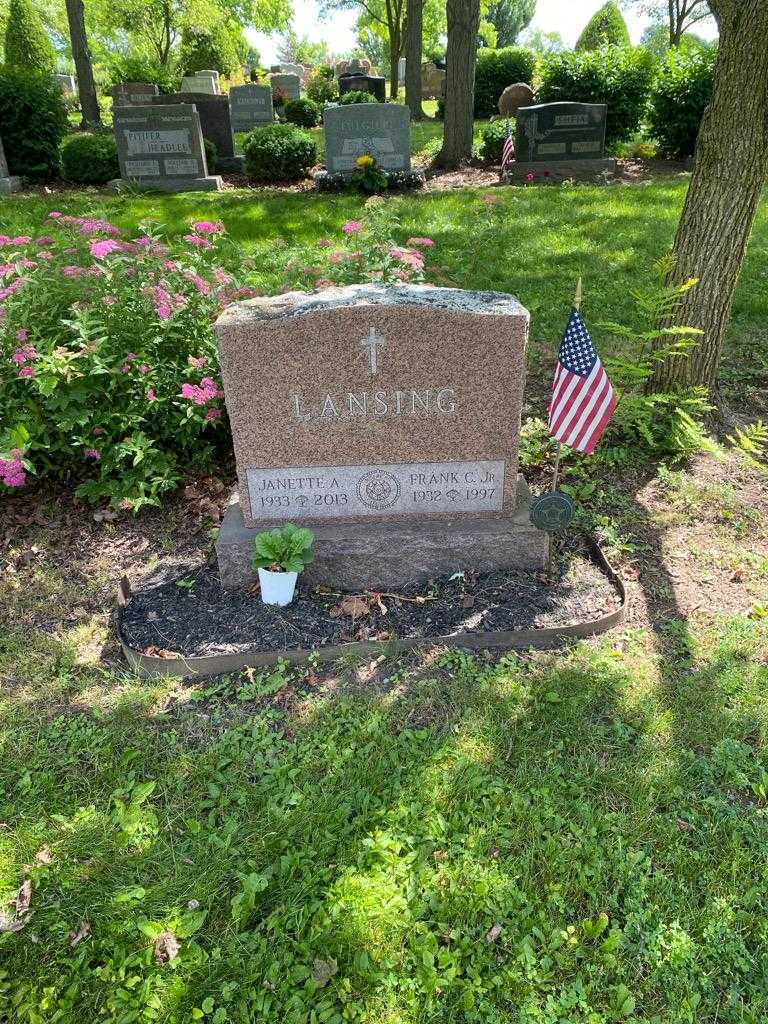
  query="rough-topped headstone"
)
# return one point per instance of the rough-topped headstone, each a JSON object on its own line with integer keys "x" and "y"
{"x": 216, "y": 125}
{"x": 514, "y": 97}
{"x": 432, "y": 81}
{"x": 67, "y": 84}
{"x": 374, "y": 84}
{"x": 134, "y": 94}
{"x": 201, "y": 81}
{"x": 289, "y": 68}
{"x": 388, "y": 419}
{"x": 290, "y": 85}
{"x": 379, "y": 129}
{"x": 161, "y": 147}
{"x": 560, "y": 140}
{"x": 250, "y": 106}
{"x": 8, "y": 182}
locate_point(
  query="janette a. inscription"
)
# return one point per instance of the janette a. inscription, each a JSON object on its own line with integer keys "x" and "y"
{"x": 374, "y": 404}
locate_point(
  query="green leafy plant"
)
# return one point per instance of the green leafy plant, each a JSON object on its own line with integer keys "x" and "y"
{"x": 606, "y": 27}
{"x": 357, "y": 96}
{"x": 368, "y": 176}
{"x": 492, "y": 140}
{"x": 321, "y": 85}
{"x": 279, "y": 152}
{"x": 284, "y": 549}
{"x": 211, "y": 155}
{"x": 137, "y": 68}
{"x": 303, "y": 112}
{"x": 89, "y": 159}
{"x": 495, "y": 70}
{"x": 33, "y": 121}
{"x": 27, "y": 44}
{"x": 681, "y": 90}
{"x": 752, "y": 442}
{"x": 619, "y": 76}
{"x": 211, "y": 47}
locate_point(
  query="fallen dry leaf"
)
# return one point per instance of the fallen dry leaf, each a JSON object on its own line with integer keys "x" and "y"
{"x": 353, "y": 605}
{"x": 323, "y": 971}
{"x": 166, "y": 947}
{"x": 82, "y": 932}
{"x": 23, "y": 899}
{"x": 10, "y": 924}
{"x": 493, "y": 934}
{"x": 160, "y": 652}
{"x": 44, "y": 855}
{"x": 467, "y": 601}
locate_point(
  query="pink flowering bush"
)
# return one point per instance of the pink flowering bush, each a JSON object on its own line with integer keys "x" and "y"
{"x": 364, "y": 252}
{"x": 108, "y": 362}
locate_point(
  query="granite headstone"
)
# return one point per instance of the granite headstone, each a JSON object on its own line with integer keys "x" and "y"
{"x": 133, "y": 94}
{"x": 160, "y": 147}
{"x": 374, "y": 84}
{"x": 250, "y": 106}
{"x": 288, "y": 84}
{"x": 8, "y": 182}
{"x": 201, "y": 81}
{"x": 67, "y": 84}
{"x": 388, "y": 419}
{"x": 216, "y": 125}
{"x": 559, "y": 140}
{"x": 379, "y": 129}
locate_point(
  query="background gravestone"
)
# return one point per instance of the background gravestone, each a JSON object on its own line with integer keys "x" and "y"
{"x": 216, "y": 125}
{"x": 289, "y": 84}
{"x": 66, "y": 84}
{"x": 388, "y": 419}
{"x": 560, "y": 140}
{"x": 374, "y": 84}
{"x": 8, "y": 182}
{"x": 161, "y": 147}
{"x": 201, "y": 81}
{"x": 250, "y": 106}
{"x": 514, "y": 97}
{"x": 432, "y": 81}
{"x": 383, "y": 130}
{"x": 133, "y": 94}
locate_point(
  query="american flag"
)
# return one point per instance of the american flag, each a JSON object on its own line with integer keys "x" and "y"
{"x": 583, "y": 399}
{"x": 508, "y": 152}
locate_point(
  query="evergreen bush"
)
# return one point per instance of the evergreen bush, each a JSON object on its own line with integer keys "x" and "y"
{"x": 606, "y": 27}
{"x": 303, "y": 112}
{"x": 89, "y": 159}
{"x": 27, "y": 44}
{"x": 495, "y": 70}
{"x": 617, "y": 75}
{"x": 681, "y": 91}
{"x": 33, "y": 121}
{"x": 208, "y": 48}
{"x": 279, "y": 152}
{"x": 357, "y": 96}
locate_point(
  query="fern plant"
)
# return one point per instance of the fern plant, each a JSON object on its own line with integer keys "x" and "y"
{"x": 752, "y": 442}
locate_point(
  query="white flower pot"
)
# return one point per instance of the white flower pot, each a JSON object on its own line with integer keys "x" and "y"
{"x": 277, "y": 587}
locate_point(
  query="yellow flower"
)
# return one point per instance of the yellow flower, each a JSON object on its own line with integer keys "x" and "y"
{"x": 365, "y": 161}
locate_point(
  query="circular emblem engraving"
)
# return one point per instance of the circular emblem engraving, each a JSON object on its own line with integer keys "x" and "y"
{"x": 552, "y": 512}
{"x": 378, "y": 490}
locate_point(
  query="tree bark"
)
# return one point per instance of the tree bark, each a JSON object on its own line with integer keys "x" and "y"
{"x": 81, "y": 54}
{"x": 413, "y": 36}
{"x": 463, "y": 17}
{"x": 731, "y": 166}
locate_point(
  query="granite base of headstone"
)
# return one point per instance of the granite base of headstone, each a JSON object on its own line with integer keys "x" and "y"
{"x": 8, "y": 182}
{"x": 559, "y": 141}
{"x": 160, "y": 148}
{"x": 386, "y": 418}
{"x": 373, "y": 84}
{"x": 216, "y": 126}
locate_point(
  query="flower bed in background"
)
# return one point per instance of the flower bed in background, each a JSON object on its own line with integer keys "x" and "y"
{"x": 108, "y": 361}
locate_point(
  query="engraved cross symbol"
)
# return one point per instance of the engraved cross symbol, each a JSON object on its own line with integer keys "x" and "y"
{"x": 373, "y": 343}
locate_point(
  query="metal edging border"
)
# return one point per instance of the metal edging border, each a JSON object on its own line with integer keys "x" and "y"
{"x": 150, "y": 666}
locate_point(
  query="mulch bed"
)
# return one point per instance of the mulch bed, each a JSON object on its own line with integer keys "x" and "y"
{"x": 190, "y": 615}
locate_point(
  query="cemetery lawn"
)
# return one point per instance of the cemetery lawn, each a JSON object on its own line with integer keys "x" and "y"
{"x": 578, "y": 837}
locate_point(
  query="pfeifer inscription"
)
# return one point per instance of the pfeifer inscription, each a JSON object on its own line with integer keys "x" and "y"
{"x": 370, "y": 492}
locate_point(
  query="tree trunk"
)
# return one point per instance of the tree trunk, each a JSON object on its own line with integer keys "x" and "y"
{"x": 730, "y": 170}
{"x": 394, "y": 57}
{"x": 414, "y": 19}
{"x": 86, "y": 87}
{"x": 463, "y": 17}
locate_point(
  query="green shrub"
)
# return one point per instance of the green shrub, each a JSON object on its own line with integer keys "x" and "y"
{"x": 321, "y": 85}
{"x": 606, "y": 27}
{"x": 279, "y": 152}
{"x": 33, "y": 121}
{"x": 303, "y": 112}
{"x": 357, "y": 96}
{"x": 26, "y": 42}
{"x": 618, "y": 76}
{"x": 211, "y": 155}
{"x": 208, "y": 48}
{"x": 143, "y": 69}
{"x": 492, "y": 140}
{"x": 680, "y": 92}
{"x": 89, "y": 159}
{"x": 495, "y": 70}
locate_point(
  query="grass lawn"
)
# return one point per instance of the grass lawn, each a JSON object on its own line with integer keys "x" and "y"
{"x": 570, "y": 838}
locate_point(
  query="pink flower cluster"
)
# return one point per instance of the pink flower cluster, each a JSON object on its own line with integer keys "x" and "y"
{"x": 199, "y": 241}
{"x": 87, "y": 226}
{"x": 163, "y": 301}
{"x": 420, "y": 243}
{"x": 208, "y": 227}
{"x": 352, "y": 227}
{"x": 12, "y": 470}
{"x": 103, "y": 248}
{"x": 25, "y": 353}
{"x": 412, "y": 259}
{"x": 17, "y": 241}
{"x": 199, "y": 282}
{"x": 202, "y": 393}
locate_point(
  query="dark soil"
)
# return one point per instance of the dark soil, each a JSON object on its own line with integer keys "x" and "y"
{"x": 190, "y": 615}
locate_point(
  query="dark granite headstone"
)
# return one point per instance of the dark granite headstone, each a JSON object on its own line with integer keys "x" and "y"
{"x": 160, "y": 147}
{"x": 561, "y": 131}
{"x": 133, "y": 94}
{"x": 8, "y": 182}
{"x": 250, "y": 106}
{"x": 374, "y": 84}
{"x": 216, "y": 124}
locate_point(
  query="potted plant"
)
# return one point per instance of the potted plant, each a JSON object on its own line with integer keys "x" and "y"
{"x": 280, "y": 555}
